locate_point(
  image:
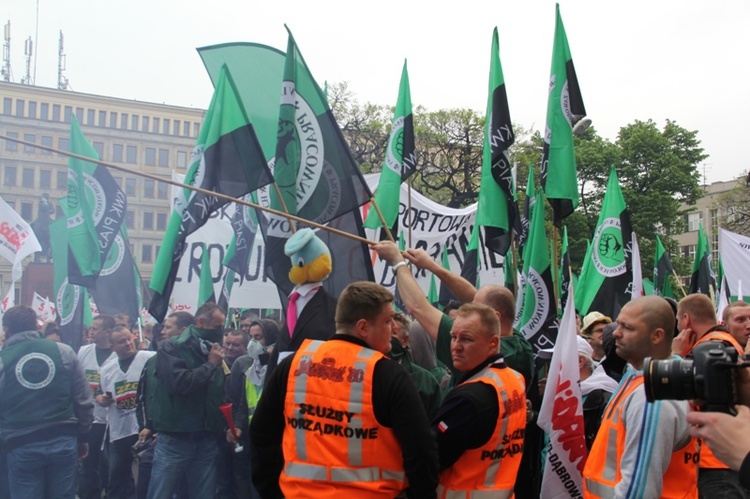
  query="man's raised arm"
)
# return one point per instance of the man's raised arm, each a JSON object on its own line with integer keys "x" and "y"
{"x": 462, "y": 289}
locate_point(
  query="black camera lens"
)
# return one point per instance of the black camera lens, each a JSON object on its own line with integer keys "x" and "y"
{"x": 669, "y": 379}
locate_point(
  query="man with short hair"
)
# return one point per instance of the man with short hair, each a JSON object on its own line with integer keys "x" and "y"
{"x": 592, "y": 328}
{"x": 696, "y": 321}
{"x": 338, "y": 419}
{"x": 642, "y": 449}
{"x": 93, "y": 356}
{"x": 235, "y": 345}
{"x": 480, "y": 425}
{"x": 119, "y": 385}
{"x": 176, "y": 323}
{"x": 737, "y": 318}
{"x": 46, "y": 409}
{"x": 183, "y": 399}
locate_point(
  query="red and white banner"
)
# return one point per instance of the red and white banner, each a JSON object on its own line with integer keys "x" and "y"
{"x": 561, "y": 415}
{"x": 17, "y": 240}
{"x": 44, "y": 308}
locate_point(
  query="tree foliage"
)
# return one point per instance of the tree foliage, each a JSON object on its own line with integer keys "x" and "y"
{"x": 735, "y": 206}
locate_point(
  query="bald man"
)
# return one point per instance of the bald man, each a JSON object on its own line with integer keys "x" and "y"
{"x": 642, "y": 449}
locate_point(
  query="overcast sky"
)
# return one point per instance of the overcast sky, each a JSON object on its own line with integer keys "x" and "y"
{"x": 637, "y": 60}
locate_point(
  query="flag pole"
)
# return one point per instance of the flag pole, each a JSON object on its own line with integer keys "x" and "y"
{"x": 408, "y": 210}
{"x": 382, "y": 219}
{"x": 194, "y": 188}
{"x": 679, "y": 283}
{"x": 555, "y": 277}
{"x": 283, "y": 207}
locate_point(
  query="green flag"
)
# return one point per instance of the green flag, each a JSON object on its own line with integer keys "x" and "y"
{"x": 400, "y": 159}
{"x": 433, "y": 296}
{"x": 662, "y": 270}
{"x": 206, "y": 285}
{"x": 528, "y": 208}
{"x": 95, "y": 209}
{"x": 703, "y": 279}
{"x": 71, "y": 300}
{"x": 537, "y": 317}
{"x": 445, "y": 294}
{"x": 564, "y": 109}
{"x": 496, "y": 211}
{"x": 607, "y": 274}
{"x": 228, "y": 159}
{"x": 509, "y": 270}
{"x": 563, "y": 277}
{"x": 471, "y": 260}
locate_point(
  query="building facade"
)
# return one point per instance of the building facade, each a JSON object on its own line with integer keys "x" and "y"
{"x": 141, "y": 136}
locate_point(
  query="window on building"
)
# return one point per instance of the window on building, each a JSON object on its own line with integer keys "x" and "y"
{"x": 131, "y": 154}
{"x": 150, "y": 156}
{"x": 90, "y": 117}
{"x": 161, "y": 190}
{"x": 62, "y": 180}
{"x": 46, "y": 141}
{"x": 186, "y": 129}
{"x": 44, "y": 111}
{"x": 62, "y": 144}
{"x": 118, "y": 181}
{"x": 163, "y": 157}
{"x": 148, "y": 188}
{"x": 165, "y": 128}
{"x": 196, "y": 129}
{"x": 148, "y": 220}
{"x": 99, "y": 148}
{"x": 714, "y": 219}
{"x": 130, "y": 220}
{"x": 9, "y": 179}
{"x": 715, "y": 251}
{"x": 181, "y": 159}
{"x": 20, "y": 107}
{"x": 56, "y": 112}
{"x": 134, "y": 122}
{"x": 688, "y": 251}
{"x": 27, "y": 211}
{"x": 161, "y": 221}
{"x": 7, "y": 105}
{"x": 45, "y": 179}
{"x": 176, "y": 127}
{"x": 79, "y": 114}
{"x": 102, "y": 118}
{"x": 32, "y": 109}
{"x": 112, "y": 119}
{"x": 693, "y": 221}
{"x": 27, "y": 177}
{"x": 117, "y": 153}
{"x": 9, "y": 144}
{"x": 124, "y": 121}
{"x": 144, "y": 124}
{"x": 29, "y": 137}
{"x": 146, "y": 253}
{"x": 130, "y": 187}
{"x": 68, "y": 114}
{"x": 156, "y": 251}
{"x": 157, "y": 122}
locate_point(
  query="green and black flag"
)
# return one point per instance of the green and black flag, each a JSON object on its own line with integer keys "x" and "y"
{"x": 227, "y": 159}
{"x": 118, "y": 287}
{"x": 564, "y": 109}
{"x": 95, "y": 209}
{"x": 70, "y": 299}
{"x": 564, "y": 278}
{"x": 509, "y": 271}
{"x": 662, "y": 270}
{"x": 400, "y": 160}
{"x": 497, "y": 210}
{"x": 606, "y": 278}
{"x": 528, "y": 208}
{"x": 469, "y": 269}
{"x": 703, "y": 279}
{"x": 536, "y": 319}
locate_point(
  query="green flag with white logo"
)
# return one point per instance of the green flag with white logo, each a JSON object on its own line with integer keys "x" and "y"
{"x": 564, "y": 110}
{"x": 70, "y": 299}
{"x": 607, "y": 274}
{"x": 400, "y": 159}
{"x": 227, "y": 159}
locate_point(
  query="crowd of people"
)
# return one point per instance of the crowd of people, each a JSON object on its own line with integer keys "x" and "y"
{"x": 346, "y": 395}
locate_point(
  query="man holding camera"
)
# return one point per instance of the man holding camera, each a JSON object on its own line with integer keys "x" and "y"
{"x": 119, "y": 384}
{"x": 642, "y": 449}
{"x": 696, "y": 321}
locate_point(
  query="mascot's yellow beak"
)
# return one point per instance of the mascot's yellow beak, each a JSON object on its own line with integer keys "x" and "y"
{"x": 315, "y": 271}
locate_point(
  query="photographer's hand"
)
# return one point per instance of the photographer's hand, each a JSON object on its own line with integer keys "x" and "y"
{"x": 725, "y": 435}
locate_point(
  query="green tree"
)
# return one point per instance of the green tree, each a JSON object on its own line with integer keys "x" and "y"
{"x": 735, "y": 206}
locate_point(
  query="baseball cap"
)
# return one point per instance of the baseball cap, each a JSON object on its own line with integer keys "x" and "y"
{"x": 594, "y": 318}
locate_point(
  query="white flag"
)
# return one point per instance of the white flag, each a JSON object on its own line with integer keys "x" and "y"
{"x": 637, "y": 270}
{"x": 561, "y": 415}
{"x": 17, "y": 240}
{"x": 9, "y": 300}
{"x": 43, "y": 307}
{"x": 723, "y": 302}
{"x": 735, "y": 256}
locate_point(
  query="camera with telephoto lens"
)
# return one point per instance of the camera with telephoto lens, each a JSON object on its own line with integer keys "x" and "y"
{"x": 708, "y": 377}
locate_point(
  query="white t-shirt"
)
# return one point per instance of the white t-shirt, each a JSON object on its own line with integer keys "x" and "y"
{"x": 87, "y": 357}
{"x": 123, "y": 386}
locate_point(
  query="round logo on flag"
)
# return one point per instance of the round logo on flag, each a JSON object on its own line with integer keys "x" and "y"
{"x": 608, "y": 253}
{"x": 395, "y": 152}
{"x": 35, "y": 371}
{"x": 94, "y": 196}
{"x": 539, "y": 307}
{"x": 114, "y": 257}
{"x": 66, "y": 301}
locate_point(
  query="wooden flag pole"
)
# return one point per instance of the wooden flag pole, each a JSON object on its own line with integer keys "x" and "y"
{"x": 196, "y": 189}
{"x": 382, "y": 219}
{"x": 408, "y": 210}
{"x": 674, "y": 272}
{"x": 292, "y": 227}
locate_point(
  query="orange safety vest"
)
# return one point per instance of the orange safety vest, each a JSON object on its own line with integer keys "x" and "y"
{"x": 490, "y": 471}
{"x": 602, "y": 471}
{"x": 707, "y": 458}
{"x": 333, "y": 445}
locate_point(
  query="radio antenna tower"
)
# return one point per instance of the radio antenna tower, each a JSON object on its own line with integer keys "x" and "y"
{"x": 62, "y": 81}
{"x": 6, "y": 72}
{"x": 28, "y": 49}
